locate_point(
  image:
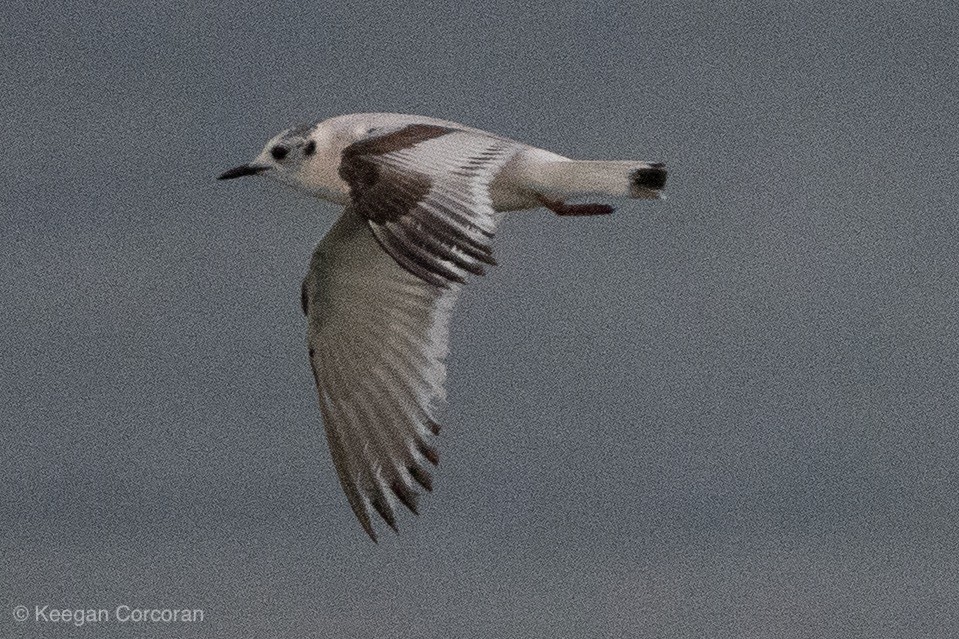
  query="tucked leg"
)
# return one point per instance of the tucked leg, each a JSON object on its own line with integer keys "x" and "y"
{"x": 562, "y": 208}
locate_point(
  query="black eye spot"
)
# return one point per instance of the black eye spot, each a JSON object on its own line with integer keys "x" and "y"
{"x": 279, "y": 152}
{"x": 310, "y": 148}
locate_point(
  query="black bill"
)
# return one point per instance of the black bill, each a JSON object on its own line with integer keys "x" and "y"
{"x": 242, "y": 170}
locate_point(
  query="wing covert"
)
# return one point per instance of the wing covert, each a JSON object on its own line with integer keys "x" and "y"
{"x": 424, "y": 190}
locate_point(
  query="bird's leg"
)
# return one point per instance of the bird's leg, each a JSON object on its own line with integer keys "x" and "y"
{"x": 562, "y": 208}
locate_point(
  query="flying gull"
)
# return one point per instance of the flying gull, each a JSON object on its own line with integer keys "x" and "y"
{"x": 421, "y": 197}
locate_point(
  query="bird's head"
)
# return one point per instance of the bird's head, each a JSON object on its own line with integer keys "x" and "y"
{"x": 289, "y": 157}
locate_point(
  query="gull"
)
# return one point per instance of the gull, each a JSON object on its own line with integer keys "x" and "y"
{"x": 422, "y": 198}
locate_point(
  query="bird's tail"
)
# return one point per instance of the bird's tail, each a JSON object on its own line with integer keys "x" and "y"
{"x": 576, "y": 178}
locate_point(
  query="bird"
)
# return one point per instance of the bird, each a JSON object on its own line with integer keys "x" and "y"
{"x": 422, "y": 198}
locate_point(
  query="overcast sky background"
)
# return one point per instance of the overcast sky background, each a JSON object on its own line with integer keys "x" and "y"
{"x": 729, "y": 414}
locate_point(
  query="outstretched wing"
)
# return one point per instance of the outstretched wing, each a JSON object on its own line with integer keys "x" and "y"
{"x": 424, "y": 190}
{"x": 377, "y": 341}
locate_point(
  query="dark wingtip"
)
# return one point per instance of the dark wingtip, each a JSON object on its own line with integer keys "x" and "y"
{"x": 405, "y": 495}
{"x": 428, "y": 452}
{"x": 386, "y": 512}
{"x": 422, "y": 477}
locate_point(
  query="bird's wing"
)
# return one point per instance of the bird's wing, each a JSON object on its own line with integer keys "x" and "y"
{"x": 377, "y": 339}
{"x": 424, "y": 190}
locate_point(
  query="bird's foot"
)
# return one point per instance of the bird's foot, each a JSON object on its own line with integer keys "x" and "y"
{"x": 562, "y": 208}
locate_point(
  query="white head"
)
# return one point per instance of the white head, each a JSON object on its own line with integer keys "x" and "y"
{"x": 290, "y": 157}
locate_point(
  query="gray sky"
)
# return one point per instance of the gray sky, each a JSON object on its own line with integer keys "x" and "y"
{"x": 729, "y": 414}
